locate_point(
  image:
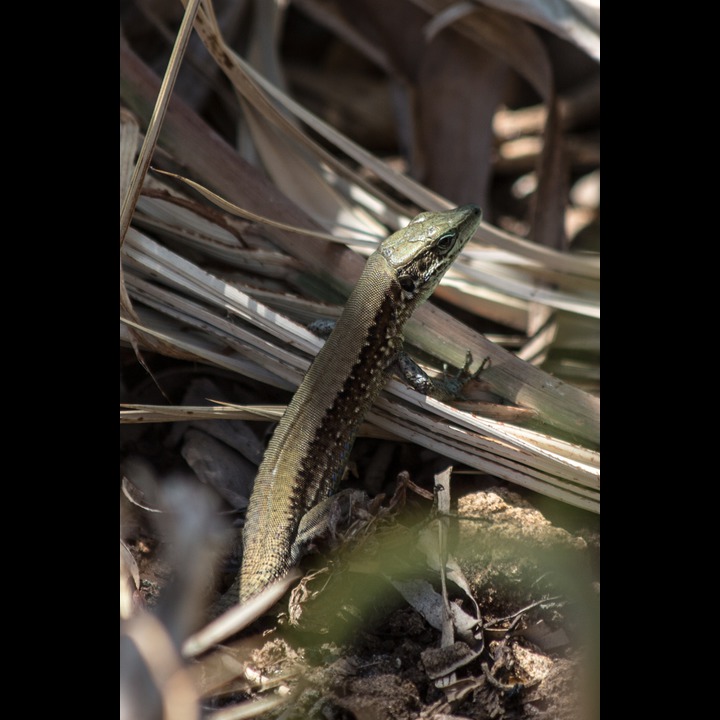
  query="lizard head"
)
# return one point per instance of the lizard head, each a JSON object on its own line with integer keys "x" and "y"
{"x": 421, "y": 252}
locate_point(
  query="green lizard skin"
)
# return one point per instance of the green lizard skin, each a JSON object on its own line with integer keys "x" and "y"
{"x": 308, "y": 451}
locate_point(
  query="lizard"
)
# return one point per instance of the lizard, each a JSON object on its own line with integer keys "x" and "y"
{"x": 308, "y": 451}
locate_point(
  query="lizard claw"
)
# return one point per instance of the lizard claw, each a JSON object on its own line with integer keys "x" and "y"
{"x": 454, "y": 385}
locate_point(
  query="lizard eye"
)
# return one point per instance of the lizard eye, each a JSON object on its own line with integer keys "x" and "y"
{"x": 445, "y": 242}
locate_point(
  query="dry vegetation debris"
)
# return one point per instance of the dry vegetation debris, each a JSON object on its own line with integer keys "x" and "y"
{"x": 476, "y": 599}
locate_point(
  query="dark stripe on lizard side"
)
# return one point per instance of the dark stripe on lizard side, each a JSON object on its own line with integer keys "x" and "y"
{"x": 324, "y": 462}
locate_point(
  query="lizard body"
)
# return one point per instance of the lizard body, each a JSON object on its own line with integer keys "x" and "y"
{"x": 308, "y": 451}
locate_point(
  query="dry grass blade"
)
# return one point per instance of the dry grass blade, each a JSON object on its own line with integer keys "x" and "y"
{"x": 155, "y": 124}
{"x": 557, "y": 476}
{"x": 239, "y": 617}
{"x": 574, "y": 20}
{"x": 241, "y": 212}
{"x": 163, "y": 413}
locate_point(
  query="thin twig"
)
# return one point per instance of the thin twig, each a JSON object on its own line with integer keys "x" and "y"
{"x": 156, "y": 121}
{"x": 516, "y": 615}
